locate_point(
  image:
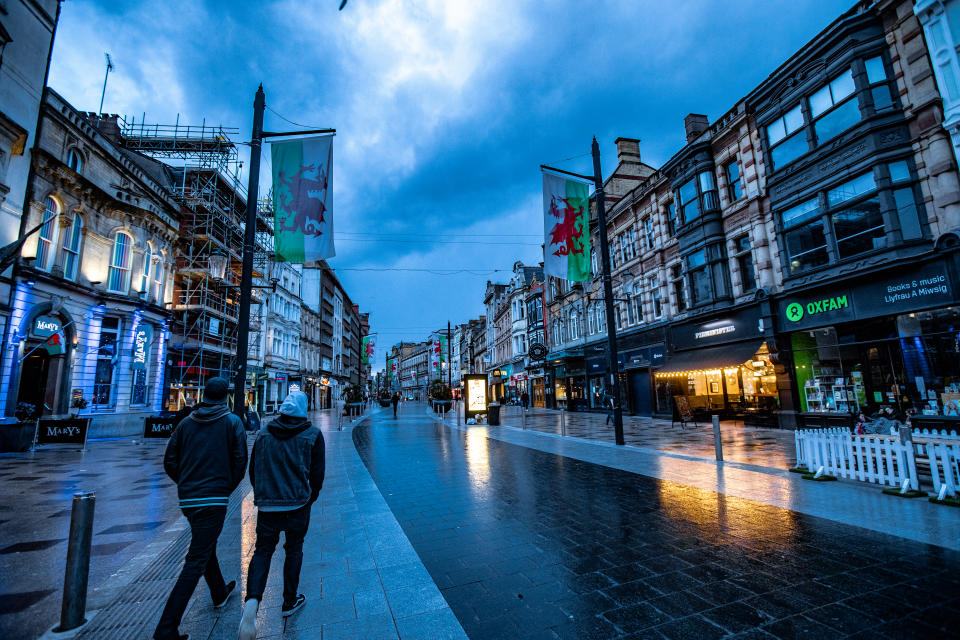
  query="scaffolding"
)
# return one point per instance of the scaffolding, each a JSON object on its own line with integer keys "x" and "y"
{"x": 206, "y": 170}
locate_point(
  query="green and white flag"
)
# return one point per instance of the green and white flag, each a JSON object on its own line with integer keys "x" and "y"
{"x": 369, "y": 345}
{"x": 566, "y": 228}
{"x": 303, "y": 199}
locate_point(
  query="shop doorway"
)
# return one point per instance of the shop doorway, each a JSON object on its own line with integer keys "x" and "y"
{"x": 539, "y": 398}
{"x": 34, "y": 373}
{"x": 640, "y": 393}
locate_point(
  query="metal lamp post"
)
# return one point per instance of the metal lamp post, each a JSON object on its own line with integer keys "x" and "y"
{"x": 249, "y": 236}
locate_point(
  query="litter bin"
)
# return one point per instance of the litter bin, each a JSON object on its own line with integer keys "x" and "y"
{"x": 493, "y": 414}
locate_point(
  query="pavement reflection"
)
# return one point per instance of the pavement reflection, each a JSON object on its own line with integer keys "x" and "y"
{"x": 524, "y": 543}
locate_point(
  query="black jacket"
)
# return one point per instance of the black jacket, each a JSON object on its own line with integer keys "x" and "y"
{"x": 207, "y": 456}
{"x": 288, "y": 463}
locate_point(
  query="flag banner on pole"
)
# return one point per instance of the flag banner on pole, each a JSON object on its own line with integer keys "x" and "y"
{"x": 413, "y": 376}
{"x": 436, "y": 357}
{"x": 369, "y": 345}
{"x": 391, "y": 369}
{"x": 566, "y": 228}
{"x": 303, "y": 199}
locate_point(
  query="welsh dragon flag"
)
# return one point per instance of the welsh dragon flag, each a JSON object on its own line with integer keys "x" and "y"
{"x": 369, "y": 344}
{"x": 302, "y": 199}
{"x": 566, "y": 228}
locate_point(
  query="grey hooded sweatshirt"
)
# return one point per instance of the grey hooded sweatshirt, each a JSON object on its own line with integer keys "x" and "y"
{"x": 288, "y": 460}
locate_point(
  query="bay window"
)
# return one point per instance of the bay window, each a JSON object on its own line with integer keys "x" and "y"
{"x": 854, "y": 213}
{"x": 145, "y": 274}
{"x": 707, "y": 273}
{"x": 786, "y": 137}
{"x": 879, "y": 89}
{"x": 806, "y": 241}
{"x": 834, "y": 107}
{"x": 689, "y": 203}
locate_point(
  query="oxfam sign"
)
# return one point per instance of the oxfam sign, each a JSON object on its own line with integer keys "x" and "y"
{"x": 796, "y": 311}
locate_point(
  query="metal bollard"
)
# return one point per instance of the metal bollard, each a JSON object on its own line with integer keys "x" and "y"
{"x": 523, "y": 417}
{"x": 457, "y": 409}
{"x": 78, "y": 562}
{"x": 717, "y": 443}
{"x": 563, "y": 422}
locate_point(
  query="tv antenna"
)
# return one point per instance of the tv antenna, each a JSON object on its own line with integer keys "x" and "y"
{"x": 105, "y": 76}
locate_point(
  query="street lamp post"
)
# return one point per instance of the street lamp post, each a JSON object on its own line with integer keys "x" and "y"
{"x": 249, "y": 236}
{"x": 607, "y": 295}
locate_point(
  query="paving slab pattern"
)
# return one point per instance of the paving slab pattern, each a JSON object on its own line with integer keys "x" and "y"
{"x": 525, "y": 543}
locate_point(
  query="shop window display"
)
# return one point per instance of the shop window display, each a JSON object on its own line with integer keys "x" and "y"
{"x": 909, "y": 364}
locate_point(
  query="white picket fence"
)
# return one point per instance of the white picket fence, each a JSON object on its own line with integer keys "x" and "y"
{"x": 944, "y": 467}
{"x": 881, "y": 460}
{"x": 803, "y": 441}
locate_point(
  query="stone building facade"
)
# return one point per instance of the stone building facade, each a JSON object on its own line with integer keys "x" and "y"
{"x": 89, "y": 319}
{"x": 795, "y": 261}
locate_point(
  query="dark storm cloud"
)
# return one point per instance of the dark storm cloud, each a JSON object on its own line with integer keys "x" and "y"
{"x": 444, "y": 109}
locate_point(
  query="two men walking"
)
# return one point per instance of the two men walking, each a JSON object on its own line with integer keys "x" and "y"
{"x": 207, "y": 458}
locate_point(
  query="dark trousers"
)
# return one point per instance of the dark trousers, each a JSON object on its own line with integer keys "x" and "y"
{"x": 205, "y": 526}
{"x": 269, "y": 525}
{"x": 395, "y": 409}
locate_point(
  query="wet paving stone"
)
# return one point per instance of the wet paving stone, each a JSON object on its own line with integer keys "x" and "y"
{"x": 523, "y": 543}
{"x": 34, "y": 545}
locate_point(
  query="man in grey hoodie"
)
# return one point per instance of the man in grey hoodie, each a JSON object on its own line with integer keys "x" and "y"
{"x": 206, "y": 456}
{"x": 286, "y": 470}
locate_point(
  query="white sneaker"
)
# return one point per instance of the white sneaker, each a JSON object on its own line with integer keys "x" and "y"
{"x": 248, "y": 622}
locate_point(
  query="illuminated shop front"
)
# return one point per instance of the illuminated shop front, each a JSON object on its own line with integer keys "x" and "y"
{"x": 720, "y": 366}
{"x": 888, "y": 342}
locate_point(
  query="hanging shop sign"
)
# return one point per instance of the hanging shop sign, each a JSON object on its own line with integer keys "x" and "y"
{"x": 142, "y": 339}
{"x": 538, "y": 351}
{"x": 476, "y": 393}
{"x": 280, "y": 377}
{"x": 325, "y": 381}
{"x": 733, "y": 328}
{"x": 926, "y": 286}
{"x": 45, "y": 326}
{"x": 154, "y": 427}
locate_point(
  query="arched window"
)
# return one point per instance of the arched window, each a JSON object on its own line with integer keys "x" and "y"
{"x": 158, "y": 281}
{"x": 119, "y": 279}
{"x": 145, "y": 275}
{"x": 70, "y": 247}
{"x": 75, "y": 160}
{"x": 48, "y": 235}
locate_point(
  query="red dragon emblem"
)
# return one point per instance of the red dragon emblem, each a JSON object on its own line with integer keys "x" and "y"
{"x": 297, "y": 189}
{"x": 369, "y": 350}
{"x": 568, "y": 231}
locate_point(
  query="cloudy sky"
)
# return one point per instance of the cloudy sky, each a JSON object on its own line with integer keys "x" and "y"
{"x": 444, "y": 108}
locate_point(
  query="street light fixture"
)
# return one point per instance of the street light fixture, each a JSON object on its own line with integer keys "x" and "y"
{"x": 217, "y": 264}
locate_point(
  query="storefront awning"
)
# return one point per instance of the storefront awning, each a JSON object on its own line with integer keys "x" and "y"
{"x": 727, "y": 355}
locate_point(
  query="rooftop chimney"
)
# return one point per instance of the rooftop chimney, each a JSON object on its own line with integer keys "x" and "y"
{"x": 107, "y": 124}
{"x": 628, "y": 150}
{"x": 695, "y": 124}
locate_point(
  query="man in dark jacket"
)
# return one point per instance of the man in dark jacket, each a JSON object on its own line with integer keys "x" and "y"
{"x": 395, "y": 400}
{"x": 206, "y": 457}
{"x": 286, "y": 471}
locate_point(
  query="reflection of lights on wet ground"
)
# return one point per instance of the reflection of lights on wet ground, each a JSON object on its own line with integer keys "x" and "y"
{"x": 248, "y": 534}
{"x": 720, "y": 517}
{"x": 478, "y": 457}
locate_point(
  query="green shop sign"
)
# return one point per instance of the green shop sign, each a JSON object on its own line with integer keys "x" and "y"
{"x": 795, "y": 310}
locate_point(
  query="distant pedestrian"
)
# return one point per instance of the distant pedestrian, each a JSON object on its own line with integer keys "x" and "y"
{"x": 608, "y": 405}
{"x": 206, "y": 457}
{"x": 524, "y": 400}
{"x": 395, "y": 400}
{"x": 286, "y": 471}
